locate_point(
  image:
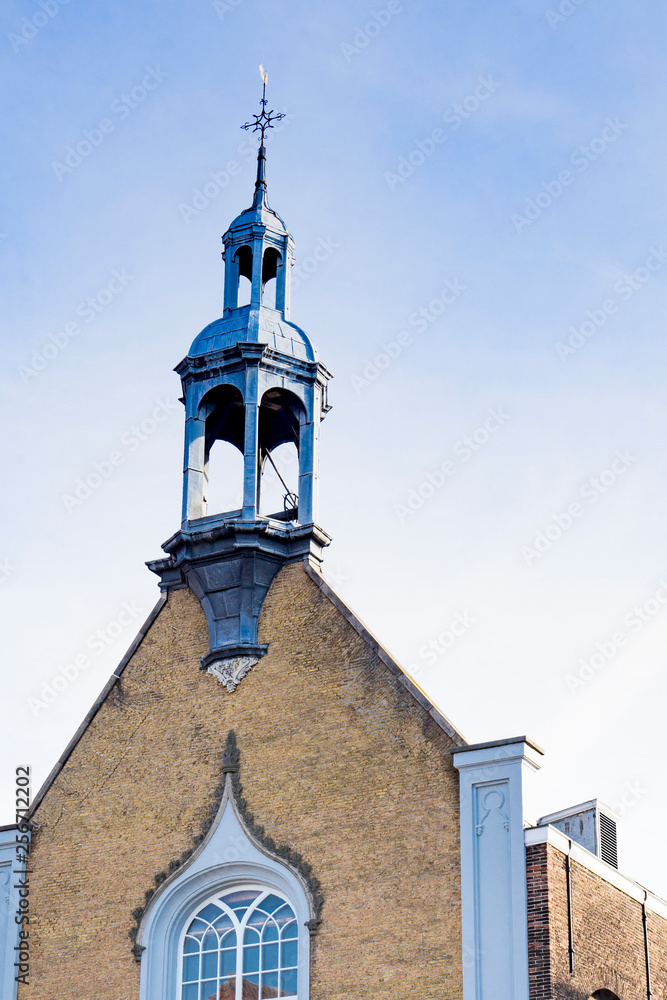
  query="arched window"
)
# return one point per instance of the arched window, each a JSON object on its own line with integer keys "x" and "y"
{"x": 243, "y": 259}
{"x": 242, "y": 945}
{"x": 603, "y": 995}
{"x": 270, "y": 265}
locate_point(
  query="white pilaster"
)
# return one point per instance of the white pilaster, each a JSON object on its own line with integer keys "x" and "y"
{"x": 493, "y": 867}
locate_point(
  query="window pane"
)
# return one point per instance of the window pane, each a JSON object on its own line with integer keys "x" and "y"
{"x": 289, "y": 930}
{"x": 209, "y": 965}
{"x": 191, "y": 992}
{"x": 227, "y": 990}
{"x": 289, "y": 951}
{"x": 222, "y": 922}
{"x": 257, "y": 919}
{"x": 240, "y": 901}
{"x": 197, "y": 928}
{"x": 210, "y": 942}
{"x": 269, "y": 985}
{"x": 272, "y": 903}
{"x": 251, "y": 936}
{"x": 191, "y": 944}
{"x": 227, "y": 962}
{"x": 208, "y": 990}
{"x": 284, "y": 914}
{"x": 250, "y": 989}
{"x": 288, "y": 983}
{"x": 270, "y": 932}
{"x": 228, "y": 940}
{"x": 250, "y": 959}
{"x": 270, "y": 956}
{"x": 210, "y": 912}
{"x": 191, "y": 969}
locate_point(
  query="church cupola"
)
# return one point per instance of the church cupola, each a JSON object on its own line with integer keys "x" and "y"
{"x": 251, "y": 379}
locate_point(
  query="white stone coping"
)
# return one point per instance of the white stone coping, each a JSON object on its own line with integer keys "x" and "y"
{"x": 551, "y": 835}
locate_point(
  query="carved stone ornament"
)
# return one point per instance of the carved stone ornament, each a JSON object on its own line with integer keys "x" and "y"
{"x": 232, "y": 670}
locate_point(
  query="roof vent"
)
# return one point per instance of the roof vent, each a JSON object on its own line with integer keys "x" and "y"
{"x": 590, "y": 824}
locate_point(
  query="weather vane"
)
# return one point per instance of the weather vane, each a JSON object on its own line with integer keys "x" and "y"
{"x": 264, "y": 119}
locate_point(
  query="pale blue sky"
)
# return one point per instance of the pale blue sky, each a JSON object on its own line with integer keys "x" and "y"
{"x": 548, "y": 90}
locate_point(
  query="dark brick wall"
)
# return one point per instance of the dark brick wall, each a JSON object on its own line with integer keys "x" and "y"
{"x": 608, "y": 934}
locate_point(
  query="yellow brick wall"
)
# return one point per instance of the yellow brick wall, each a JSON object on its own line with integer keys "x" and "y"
{"x": 337, "y": 762}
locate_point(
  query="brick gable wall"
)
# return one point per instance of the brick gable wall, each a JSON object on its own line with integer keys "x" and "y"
{"x": 337, "y": 761}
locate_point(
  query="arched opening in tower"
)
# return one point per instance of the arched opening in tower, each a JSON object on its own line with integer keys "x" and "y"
{"x": 244, "y": 261}
{"x": 225, "y": 428}
{"x": 280, "y": 416}
{"x": 270, "y": 264}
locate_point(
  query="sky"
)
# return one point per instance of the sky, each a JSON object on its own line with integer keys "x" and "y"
{"x": 476, "y": 192}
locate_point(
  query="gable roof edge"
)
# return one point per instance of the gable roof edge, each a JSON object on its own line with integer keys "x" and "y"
{"x": 94, "y": 709}
{"x": 383, "y": 655}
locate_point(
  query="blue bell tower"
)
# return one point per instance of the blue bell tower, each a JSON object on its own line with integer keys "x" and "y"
{"x": 253, "y": 379}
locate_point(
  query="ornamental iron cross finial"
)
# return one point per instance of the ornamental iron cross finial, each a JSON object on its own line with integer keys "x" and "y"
{"x": 264, "y": 119}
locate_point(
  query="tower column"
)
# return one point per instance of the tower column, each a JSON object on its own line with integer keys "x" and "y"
{"x": 250, "y": 449}
{"x": 281, "y": 276}
{"x": 257, "y": 264}
{"x": 194, "y": 469}
{"x": 308, "y": 471}
{"x": 231, "y": 293}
